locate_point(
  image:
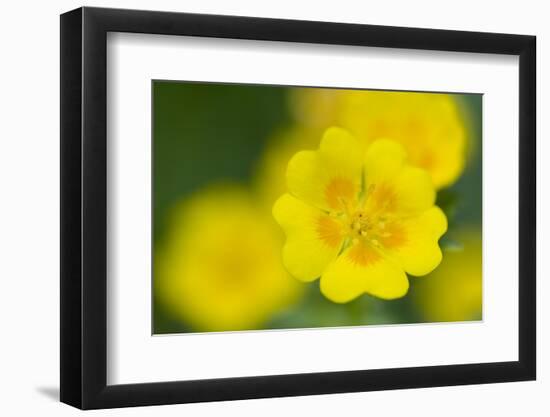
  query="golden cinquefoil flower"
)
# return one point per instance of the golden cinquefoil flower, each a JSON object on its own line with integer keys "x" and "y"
{"x": 359, "y": 220}
{"x": 219, "y": 268}
{"x": 428, "y": 125}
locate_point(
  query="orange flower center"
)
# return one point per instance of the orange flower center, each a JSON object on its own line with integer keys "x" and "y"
{"x": 368, "y": 220}
{"x": 377, "y": 229}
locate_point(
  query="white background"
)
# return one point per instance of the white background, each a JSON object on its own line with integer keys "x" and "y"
{"x": 29, "y": 223}
{"x": 134, "y": 356}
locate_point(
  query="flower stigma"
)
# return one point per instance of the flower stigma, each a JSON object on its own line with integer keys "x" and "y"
{"x": 367, "y": 221}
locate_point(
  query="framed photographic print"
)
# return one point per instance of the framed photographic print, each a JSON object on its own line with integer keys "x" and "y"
{"x": 258, "y": 208}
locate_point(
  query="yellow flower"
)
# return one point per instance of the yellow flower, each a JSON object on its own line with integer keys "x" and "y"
{"x": 220, "y": 267}
{"x": 428, "y": 125}
{"x": 453, "y": 292}
{"x": 359, "y": 220}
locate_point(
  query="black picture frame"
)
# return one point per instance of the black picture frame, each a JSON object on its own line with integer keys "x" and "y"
{"x": 84, "y": 207}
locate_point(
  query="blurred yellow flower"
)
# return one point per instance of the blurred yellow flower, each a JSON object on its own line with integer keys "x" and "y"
{"x": 220, "y": 268}
{"x": 428, "y": 125}
{"x": 453, "y": 292}
{"x": 359, "y": 220}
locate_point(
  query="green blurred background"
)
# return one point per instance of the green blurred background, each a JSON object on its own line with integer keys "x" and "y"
{"x": 207, "y": 132}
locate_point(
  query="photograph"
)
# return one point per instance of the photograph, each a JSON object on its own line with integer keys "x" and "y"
{"x": 264, "y": 209}
{"x": 299, "y": 207}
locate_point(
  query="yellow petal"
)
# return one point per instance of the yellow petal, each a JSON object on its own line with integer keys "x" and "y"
{"x": 392, "y": 185}
{"x": 383, "y": 160}
{"x": 360, "y": 269}
{"x": 418, "y": 250}
{"x": 330, "y": 177}
{"x": 414, "y": 189}
{"x": 313, "y": 238}
{"x": 454, "y": 291}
